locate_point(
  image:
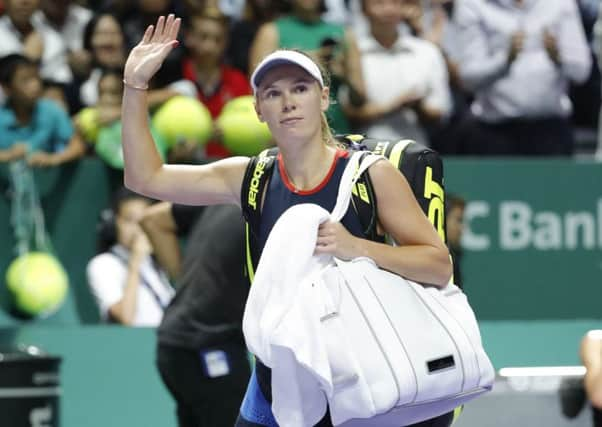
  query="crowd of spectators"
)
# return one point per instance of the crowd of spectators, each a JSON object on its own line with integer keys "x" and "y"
{"x": 466, "y": 77}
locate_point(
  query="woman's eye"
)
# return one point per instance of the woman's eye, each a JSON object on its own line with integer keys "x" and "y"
{"x": 300, "y": 88}
{"x": 271, "y": 94}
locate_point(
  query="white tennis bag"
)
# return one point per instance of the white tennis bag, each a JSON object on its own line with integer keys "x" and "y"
{"x": 417, "y": 348}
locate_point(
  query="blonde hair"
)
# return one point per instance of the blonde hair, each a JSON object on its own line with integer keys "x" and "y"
{"x": 327, "y": 135}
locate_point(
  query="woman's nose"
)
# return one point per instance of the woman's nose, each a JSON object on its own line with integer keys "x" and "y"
{"x": 288, "y": 102}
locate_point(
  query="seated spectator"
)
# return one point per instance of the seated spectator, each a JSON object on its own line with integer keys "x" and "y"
{"x": 20, "y": 34}
{"x": 129, "y": 286}
{"x": 518, "y": 58}
{"x": 405, "y": 76}
{"x": 31, "y": 126}
{"x": 206, "y": 37}
{"x": 104, "y": 39}
{"x": 68, "y": 20}
{"x": 330, "y": 44}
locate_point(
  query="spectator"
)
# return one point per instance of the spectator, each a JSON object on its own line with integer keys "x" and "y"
{"x": 405, "y": 76}
{"x": 331, "y": 45}
{"x": 201, "y": 353}
{"x": 128, "y": 285}
{"x": 31, "y": 126}
{"x": 69, "y": 21}
{"x": 518, "y": 58}
{"x": 105, "y": 40}
{"x": 454, "y": 223}
{"x": 20, "y": 34}
{"x": 206, "y": 37}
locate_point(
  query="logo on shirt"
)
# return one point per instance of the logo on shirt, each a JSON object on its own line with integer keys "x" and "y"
{"x": 254, "y": 188}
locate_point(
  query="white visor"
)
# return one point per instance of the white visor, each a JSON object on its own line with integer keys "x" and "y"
{"x": 281, "y": 57}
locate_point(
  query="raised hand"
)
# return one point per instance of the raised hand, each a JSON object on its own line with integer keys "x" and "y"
{"x": 147, "y": 56}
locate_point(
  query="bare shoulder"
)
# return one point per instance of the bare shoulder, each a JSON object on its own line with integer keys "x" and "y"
{"x": 384, "y": 174}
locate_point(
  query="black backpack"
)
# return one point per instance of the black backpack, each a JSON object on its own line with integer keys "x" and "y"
{"x": 421, "y": 166}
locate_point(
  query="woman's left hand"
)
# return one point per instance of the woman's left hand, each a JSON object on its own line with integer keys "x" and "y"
{"x": 334, "y": 239}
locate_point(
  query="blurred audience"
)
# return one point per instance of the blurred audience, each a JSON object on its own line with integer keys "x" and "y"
{"x": 518, "y": 57}
{"x": 243, "y": 31}
{"x": 33, "y": 127}
{"x": 129, "y": 286}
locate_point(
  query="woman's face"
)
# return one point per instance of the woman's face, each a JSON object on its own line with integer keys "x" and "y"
{"x": 207, "y": 39}
{"x": 107, "y": 42}
{"x": 130, "y": 212}
{"x": 110, "y": 90}
{"x": 291, "y": 102}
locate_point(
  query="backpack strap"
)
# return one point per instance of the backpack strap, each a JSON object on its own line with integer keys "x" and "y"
{"x": 254, "y": 184}
{"x": 421, "y": 166}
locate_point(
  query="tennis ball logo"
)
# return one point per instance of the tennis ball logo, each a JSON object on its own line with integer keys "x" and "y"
{"x": 183, "y": 118}
{"x": 242, "y": 132}
{"x": 38, "y": 283}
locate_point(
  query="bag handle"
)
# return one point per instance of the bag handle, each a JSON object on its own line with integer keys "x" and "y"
{"x": 359, "y": 162}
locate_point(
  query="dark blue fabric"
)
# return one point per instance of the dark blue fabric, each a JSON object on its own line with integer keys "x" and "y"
{"x": 255, "y": 408}
{"x": 279, "y": 198}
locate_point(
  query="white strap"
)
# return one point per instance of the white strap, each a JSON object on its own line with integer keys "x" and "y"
{"x": 350, "y": 176}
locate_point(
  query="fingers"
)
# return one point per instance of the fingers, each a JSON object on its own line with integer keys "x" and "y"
{"x": 167, "y": 29}
{"x": 164, "y": 31}
{"x": 175, "y": 28}
{"x": 148, "y": 34}
{"x": 158, "y": 35}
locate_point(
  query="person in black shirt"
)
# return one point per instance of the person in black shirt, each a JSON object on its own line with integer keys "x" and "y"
{"x": 201, "y": 354}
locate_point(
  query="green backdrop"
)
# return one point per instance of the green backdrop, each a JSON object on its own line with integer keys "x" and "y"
{"x": 532, "y": 265}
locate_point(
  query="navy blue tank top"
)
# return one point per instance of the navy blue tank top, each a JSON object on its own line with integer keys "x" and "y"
{"x": 281, "y": 195}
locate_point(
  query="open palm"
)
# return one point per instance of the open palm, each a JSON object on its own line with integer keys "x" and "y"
{"x": 147, "y": 56}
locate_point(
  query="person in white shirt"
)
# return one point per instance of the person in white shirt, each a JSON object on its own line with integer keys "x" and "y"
{"x": 20, "y": 34}
{"x": 129, "y": 286}
{"x": 68, "y": 20}
{"x": 518, "y": 58}
{"x": 405, "y": 77}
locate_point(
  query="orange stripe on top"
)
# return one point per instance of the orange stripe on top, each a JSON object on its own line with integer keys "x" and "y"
{"x": 338, "y": 154}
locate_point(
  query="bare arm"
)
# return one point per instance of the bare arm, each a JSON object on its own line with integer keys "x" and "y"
{"x": 421, "y": 255}
{"x": 124, "y": 311}
{"x": 144, "y": 171}
{"x": 160, "y": 227}
{"x": 591, "y": 356}
{"x": 74, "y": 150}
{"x": 16, "y": 151}
{"x": 266, "y": 41}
